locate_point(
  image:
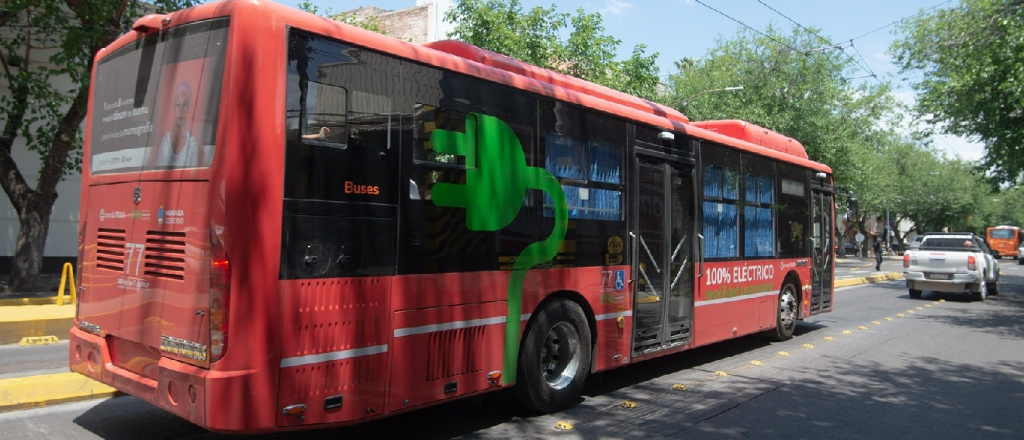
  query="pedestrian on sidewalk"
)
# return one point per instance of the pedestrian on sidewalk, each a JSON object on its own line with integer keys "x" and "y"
{"x": 878, "y": 255}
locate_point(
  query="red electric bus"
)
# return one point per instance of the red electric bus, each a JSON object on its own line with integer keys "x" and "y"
{"x": 288, "y": 222}
{"x": 1004, "y": 239}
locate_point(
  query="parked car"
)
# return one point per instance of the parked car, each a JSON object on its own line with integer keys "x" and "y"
{"x": 851, "y": 249}
{"x": 1020, "y": 255}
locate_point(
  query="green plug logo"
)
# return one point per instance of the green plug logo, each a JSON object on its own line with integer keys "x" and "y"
{"x": 496, "y": 184}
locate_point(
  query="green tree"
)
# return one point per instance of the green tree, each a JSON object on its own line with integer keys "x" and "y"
{"x": 795, "y": 90}
{"x": 369, "y": 23}
{"x": 46, "y": 43}
{"x": 535, "y": 36}
{"x": 971, "y": 61}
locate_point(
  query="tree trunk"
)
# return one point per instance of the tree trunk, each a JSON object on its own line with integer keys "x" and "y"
{"x": 28, "y": 254}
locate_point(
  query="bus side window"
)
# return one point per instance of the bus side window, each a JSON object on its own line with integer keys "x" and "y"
{"x": 434, "y": 166}
{"x": 324, "y": 115}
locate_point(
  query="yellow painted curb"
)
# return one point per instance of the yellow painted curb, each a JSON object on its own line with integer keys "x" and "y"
{"x": 49, "y": 389}
{"x": 27, "y": 301}
{"x": 869, "y": 279}
{"x": 11, "y": 332}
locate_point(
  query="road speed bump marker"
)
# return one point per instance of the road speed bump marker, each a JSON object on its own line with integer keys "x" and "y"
{"x": 887, "y": 318}
{"x": 808, "y": 346}
{"x": 920, "y": 308}
{"x": 628, "y": 404}
{"x": 942, "y": 300}
{"x": 679, "y": 387}
{"x": 928, "y": 305}
{"x": 756, "y": 363}
{"x": 829, "y": 338}
{"x": 876, "y": 323}
{"x": 901, "y": 315}
{"x": 847, "y": 332}
{"x": 862, "y": 327}
{"x": 563, "y": 425}
{"x": 783, "y": 353}
{"x": 721, "y": 373}
{"x": 38, "y": 340}
{"x": 911, "y": 311}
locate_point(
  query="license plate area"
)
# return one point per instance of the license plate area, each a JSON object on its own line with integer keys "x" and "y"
{"x": 938, "y": 276}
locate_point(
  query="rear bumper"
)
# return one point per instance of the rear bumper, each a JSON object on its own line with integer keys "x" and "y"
{"x": 959, "y": 283}
{"x": 241, "y": 401}
{"x": 178, "y": 388}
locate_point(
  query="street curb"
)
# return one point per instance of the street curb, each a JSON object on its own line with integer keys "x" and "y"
{"x": 11, "y": 332}
{"x": 28, "y": 301}
{"x": 36, "y": 391}
{"x": 868, "y": 279}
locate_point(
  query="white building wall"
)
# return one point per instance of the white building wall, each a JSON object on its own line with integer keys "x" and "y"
{"x": 62, "y": 240}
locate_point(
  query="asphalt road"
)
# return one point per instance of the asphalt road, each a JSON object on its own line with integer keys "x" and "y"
{"x": 18, "y": 361}
{"x": 947, "y": 368}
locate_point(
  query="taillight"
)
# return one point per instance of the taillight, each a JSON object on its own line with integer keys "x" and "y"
{"x": 220, "y": 298}
{"x": 906, "y": 260}
{"x": 972, "y": 264}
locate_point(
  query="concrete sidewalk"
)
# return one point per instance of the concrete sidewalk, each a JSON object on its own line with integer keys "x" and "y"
{"x": 45, "y": 321}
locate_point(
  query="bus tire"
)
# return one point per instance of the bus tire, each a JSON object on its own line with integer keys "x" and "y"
{"x": 555, "y": 358}
{"x": 785, "y": 320}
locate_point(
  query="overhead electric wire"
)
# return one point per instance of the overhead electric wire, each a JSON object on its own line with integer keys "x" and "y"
{"x": 863, "y": 62}
{"x": 901, "y": 19}
{"x": 747, "y": 26}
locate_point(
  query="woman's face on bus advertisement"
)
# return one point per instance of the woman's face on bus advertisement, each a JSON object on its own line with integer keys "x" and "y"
{"x": 181, "y": 105}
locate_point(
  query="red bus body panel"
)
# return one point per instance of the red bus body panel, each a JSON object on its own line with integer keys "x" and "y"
{"x": 755, "y": 135}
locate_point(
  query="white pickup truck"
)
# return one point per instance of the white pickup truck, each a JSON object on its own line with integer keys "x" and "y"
{"x": 957, "y": 262}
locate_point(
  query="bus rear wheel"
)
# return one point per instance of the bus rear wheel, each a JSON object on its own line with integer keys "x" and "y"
{"x": 555, "y": 358}
{"x": 785, "y": 321}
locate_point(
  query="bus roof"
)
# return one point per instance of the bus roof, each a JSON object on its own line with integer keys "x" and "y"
{"x": 481, "y": 63}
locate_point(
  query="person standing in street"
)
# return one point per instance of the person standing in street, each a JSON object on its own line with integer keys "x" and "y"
{"x": 878, "y": 255}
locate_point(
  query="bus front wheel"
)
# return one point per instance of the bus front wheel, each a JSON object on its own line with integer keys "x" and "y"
{"x": 785, "y": 322}
{"x": 555, "y": 358}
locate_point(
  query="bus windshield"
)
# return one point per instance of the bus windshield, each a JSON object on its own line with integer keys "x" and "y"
{"x": 155, "y": 101}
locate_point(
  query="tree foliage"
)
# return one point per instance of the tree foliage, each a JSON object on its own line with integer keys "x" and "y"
{"x": 536, "y": 36}
{"x": 804, "y": 94}
{"x": 370, "y": 23}
{"x": 971, "y": 64}
{"x": 46, "y": 43}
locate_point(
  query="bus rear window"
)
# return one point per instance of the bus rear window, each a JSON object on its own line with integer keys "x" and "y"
{"x": 1003, "y": 233}
{"x": 155, "y": 101}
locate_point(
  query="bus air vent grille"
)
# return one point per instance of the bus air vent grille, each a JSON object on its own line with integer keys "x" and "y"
{"x": 110, "y": 249}
{"x": 451, "y": 352}
{"x": 165, "y": 255}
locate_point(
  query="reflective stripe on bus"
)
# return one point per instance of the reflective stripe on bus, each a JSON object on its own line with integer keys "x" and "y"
{"x": 735, "y": 298}
{"x": 333, "y": 356}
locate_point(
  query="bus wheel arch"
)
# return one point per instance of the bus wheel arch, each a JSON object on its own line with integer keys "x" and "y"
{"x": 556, "y": 353}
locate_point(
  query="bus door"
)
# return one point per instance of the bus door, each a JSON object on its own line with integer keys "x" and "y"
{"x": 662, "y": 233}
{"x": 822, "y": 250}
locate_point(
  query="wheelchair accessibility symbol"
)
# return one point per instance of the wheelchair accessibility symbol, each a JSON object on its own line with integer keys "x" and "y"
{"x": 620, "y": 279}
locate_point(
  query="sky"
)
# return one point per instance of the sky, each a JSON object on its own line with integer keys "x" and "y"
{"x": 677, "y": 29}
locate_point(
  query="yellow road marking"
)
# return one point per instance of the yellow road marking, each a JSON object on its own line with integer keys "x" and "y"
{"x": 38, "y": 340}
